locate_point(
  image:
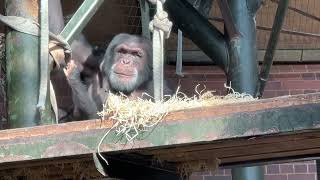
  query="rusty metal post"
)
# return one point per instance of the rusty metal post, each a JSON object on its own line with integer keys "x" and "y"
{"x": 22, "y": 57}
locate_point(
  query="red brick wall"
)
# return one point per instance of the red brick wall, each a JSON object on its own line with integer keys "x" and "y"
{"x": 286, "y": 171}
{"x": 284, "y": 80}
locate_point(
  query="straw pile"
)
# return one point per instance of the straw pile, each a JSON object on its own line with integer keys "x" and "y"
{"x": 133, "y": 116}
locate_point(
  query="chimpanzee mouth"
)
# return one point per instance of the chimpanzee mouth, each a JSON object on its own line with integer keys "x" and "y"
{"x": 124, "y": 74}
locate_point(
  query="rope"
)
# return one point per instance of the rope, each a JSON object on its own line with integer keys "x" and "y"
{"x": 161, "y": 27}
{"x": 44, "y": 57}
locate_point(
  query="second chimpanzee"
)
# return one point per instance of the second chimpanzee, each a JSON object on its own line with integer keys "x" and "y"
{"x": 126, "y": 68}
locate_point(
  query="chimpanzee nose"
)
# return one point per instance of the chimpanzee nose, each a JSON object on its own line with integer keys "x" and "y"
{"x": 125, "y": 61}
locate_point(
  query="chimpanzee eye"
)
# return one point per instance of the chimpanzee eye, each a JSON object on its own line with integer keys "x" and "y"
{"x": 122, "y": 51}
{"x": 137, "y": 54}
{"x": 140, "y": 54}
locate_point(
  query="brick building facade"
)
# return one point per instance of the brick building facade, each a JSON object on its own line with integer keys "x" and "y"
{"x": 289, "y": 79}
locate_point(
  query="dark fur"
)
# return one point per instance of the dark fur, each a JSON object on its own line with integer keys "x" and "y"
{"x": 125, "y": 53}
{"x": 144, "y": 69}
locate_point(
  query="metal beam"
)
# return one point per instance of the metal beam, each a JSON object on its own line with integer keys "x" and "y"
{"x": 272, "y": 44}
{"x": 80, "y": 19}
{"x": 229, "y": 124}
{"x": 198, "y": 29}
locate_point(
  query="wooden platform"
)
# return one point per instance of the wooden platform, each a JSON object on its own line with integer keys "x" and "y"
{"x": 264, "y": 130}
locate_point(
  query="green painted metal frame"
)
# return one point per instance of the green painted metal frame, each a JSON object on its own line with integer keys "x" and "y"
{"x": 22, "y": 67}
{"x": 80, "y": 19}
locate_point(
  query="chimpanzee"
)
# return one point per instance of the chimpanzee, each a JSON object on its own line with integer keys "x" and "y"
{"x": 85, "y": 66}
{"x": 87, "y": 57}
{"x": 126, "y": 68}
{"x": 127, "y": 65}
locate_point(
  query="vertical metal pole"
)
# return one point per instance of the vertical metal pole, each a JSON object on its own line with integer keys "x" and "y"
{"x": 243, "y": 67}
{"x": 179, "y": 54}
{"x": 56, "y": 21}
{"x": 22, "y": 67}
{"x": 145, "y": 18}
{"x": 272, "y": 44}
{"x": 248, "y": 173}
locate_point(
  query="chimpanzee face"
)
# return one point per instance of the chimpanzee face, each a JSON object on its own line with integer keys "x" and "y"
{"x": 129, "y": 64}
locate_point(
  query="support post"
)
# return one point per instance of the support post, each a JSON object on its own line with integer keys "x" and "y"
{"x": 22, "y": 67}
{"x": 272, "y": 44}
{"x": 242, "y": 72}
{"x": 145, "y": 18}
{"x": 248, "y": 173}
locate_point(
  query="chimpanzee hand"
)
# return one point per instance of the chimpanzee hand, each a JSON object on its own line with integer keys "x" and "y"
{"x": 72, "y": 71}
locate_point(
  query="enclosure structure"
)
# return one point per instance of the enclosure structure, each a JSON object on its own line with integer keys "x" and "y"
{"x": 186, "y": 141}
{"x": 272, "y": 130}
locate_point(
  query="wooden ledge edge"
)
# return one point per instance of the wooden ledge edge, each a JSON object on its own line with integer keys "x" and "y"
{"x": 188, "y": 114}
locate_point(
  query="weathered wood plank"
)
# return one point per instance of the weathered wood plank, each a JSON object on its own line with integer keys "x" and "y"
{"x": 311, "y": 55}
{"x": 250, "y": 131}
{"x": 260, "y": 148}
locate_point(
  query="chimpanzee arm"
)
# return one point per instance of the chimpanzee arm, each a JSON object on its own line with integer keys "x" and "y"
{"x": 81, "y": 97}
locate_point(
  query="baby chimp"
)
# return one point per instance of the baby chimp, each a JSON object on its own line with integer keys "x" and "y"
{"x": 127, "y": 65}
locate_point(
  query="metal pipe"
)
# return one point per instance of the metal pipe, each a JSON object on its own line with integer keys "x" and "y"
{"x": 272, "y": 44}
{"x": 207, "y": 37}
{"x": 145, "y": 18}
{"x": 22, "y": 55}
{"x": 80, "y": 19}
{"x": 242, "y": 74}
{"x": 248, "y": 173}
{"x": 232, "y": 30}
{"x": 179, "y": 54}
